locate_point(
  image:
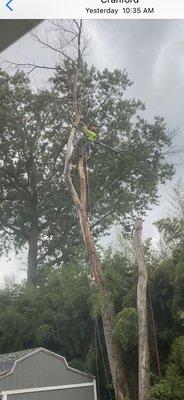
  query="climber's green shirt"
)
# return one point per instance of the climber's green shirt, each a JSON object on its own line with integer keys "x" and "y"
{"x": 92, "y": 136}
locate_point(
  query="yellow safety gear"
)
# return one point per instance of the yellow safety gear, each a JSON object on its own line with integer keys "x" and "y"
{"x": 91, "y": 135}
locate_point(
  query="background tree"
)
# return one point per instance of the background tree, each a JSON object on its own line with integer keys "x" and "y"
{"x": 172, "y": 227}
{"x": 172, "y": 385}
{"x": 33, "y": 199}
{"x": 171, "y": 231}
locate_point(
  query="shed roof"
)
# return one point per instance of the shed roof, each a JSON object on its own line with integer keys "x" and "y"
{"x": 7, "y": 360}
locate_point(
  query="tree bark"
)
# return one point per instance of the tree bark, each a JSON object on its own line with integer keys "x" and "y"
{"x": 143, "y": 346}
{"x": 114, "y": 352}
{"x": 33, "y": 252}
{"x": 113, "y": 346}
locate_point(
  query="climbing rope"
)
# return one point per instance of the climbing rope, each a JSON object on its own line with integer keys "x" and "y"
{"x": 96, "y": 328}
{"x": 97, "y": 341}
{"x": 96, "y": 361}
{"x": 97, "y": 337}
{"x": 103, "y": 360}
{"x": 154, "y": 329}
{"x": 88, "y": 185}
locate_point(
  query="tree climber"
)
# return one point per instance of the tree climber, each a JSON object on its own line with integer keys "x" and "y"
{"x": 90, "y": 138}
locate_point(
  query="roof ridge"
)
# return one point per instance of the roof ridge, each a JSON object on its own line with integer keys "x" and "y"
{"x": 10, "y": 363}
{"x": 16, "y": 354}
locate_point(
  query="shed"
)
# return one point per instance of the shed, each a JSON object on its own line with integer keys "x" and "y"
{"x": 39, "y": 374}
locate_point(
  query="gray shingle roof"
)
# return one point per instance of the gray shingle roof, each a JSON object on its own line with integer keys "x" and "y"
{"x": 7, "y": 360}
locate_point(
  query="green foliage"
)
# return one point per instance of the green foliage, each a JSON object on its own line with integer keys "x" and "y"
{"x": 172, "y": 233}
{"x": 58, "y": 315}
{"x": 171, "y": 387}
{"x": 99, "y": 300}
{"x": 167, "y": 291}
{"x": 55, "y": 315}
{"x": 12, "y": 323}
{"x": 177, "y": 354}
{"x": 177, "y": 200}
{"x": 34, "y": 129}
{"x": 126, "y": 328}
{"x": 31, "y": 169}
{"x": 178, "y": 300}
{"x": 172, "y": 228}
{"x": 121, "y": 277}
{"x": 131, "y": 178}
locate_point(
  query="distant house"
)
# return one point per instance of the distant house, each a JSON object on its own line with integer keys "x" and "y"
{"x": 39, "y": 374}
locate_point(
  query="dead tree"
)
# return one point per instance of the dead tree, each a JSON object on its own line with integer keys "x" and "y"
{"x": 113, "y": 346}
{"x": 143, "y": 346}
{"x": 80, "y": 200}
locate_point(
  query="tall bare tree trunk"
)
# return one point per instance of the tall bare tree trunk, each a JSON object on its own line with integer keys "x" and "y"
{"x": 143, "y": 346}
{"x": 113, "y": 347}
{"x": 114, "y": 352}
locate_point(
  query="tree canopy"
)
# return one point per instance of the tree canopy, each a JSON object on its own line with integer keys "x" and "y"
{"x": 34, "y": 127}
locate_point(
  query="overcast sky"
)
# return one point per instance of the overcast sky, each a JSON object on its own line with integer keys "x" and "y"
{"x": 153, "y": 54}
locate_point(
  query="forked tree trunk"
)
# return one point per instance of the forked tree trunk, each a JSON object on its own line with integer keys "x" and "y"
{"x": 143, "y": 346}
{"x": 113, "y": 347}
